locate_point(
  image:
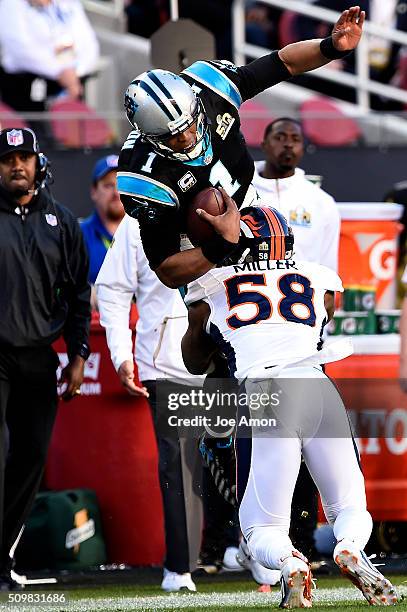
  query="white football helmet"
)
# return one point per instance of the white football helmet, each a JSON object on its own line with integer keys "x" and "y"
{"x": 159, "y": 105}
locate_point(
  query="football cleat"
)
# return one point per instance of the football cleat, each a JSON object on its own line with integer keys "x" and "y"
{"x": 355, "y": 565}
{"x": 261, "y": 574}
{"x": 173, "y": 582}
{"x": 296, "y": 582}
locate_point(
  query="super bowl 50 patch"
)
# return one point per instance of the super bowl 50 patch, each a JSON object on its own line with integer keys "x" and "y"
{"x": 300, "y": 216}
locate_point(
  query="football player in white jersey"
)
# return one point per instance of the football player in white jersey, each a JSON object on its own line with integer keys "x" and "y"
{"x": 265, "y": 311}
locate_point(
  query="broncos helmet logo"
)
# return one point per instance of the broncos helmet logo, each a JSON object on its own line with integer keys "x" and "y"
{"x": 252, "y": 224}
{"x": 265, "y": 235}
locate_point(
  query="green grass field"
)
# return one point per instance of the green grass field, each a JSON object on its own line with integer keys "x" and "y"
{"x": 226, "y": 596}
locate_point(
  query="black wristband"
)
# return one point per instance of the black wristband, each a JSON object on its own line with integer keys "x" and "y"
{"x": 328, "y": 50}
{"x": 217, "y": 249}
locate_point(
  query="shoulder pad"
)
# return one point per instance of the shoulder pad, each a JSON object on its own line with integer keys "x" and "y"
{"x": 322, "y": 277}
{"x": 216, "y": 79}
{"x": 145, "y": 188}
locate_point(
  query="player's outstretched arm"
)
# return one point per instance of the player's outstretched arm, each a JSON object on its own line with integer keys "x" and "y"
{"x": 197, "y": 347}
{"x": 308, "y": 54}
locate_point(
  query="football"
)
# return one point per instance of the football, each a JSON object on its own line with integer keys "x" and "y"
{"x": 210, "y": 200}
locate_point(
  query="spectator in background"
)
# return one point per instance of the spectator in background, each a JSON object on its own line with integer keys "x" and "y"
{"x": 45, "y": 294}
{"x": 262, "y": 25}
{"x": 315, "y": 221}
{"x": 99, "y": 227}
{"x": 48, "y": 47}
{"x": 162, "y": 322}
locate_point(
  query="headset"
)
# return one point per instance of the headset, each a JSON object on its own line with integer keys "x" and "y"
{"x": 43, "y": 175}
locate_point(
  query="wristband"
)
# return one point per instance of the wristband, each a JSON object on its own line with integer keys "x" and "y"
{"x": 328, "y": 50}
{"x": 217, "y": 249}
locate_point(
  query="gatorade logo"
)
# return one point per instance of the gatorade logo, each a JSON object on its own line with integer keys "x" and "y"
{"x": 382, "y": 260}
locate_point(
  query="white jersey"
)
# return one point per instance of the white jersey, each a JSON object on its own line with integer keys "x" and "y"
{"x": 265, "y": 314}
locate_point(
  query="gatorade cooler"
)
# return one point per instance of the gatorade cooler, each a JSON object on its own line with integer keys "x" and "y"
{"x": 368, "y": 247}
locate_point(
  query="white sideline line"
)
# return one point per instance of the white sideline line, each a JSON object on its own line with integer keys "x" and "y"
{"x": 181, "y": 601}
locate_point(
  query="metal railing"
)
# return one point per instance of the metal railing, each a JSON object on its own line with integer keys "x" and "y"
{"x": 80, "y": 124}
{"x": 360, "y": 81}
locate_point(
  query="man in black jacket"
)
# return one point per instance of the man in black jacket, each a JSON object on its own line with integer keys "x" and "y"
{"x": 45, "y": 294}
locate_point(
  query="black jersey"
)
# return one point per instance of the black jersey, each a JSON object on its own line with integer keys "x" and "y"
{"x": 146, "y": 176}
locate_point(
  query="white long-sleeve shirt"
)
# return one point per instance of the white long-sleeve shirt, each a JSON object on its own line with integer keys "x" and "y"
{"x": 33, "y": 39}
{"x": 163, "y": 317}
{"x": 311, "y": 212}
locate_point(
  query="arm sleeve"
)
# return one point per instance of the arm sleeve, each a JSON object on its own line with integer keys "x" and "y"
{"x": 160, "y": 240}
{"x": 76, "y": 329}
{"x": 260, "y": 74}
{"x": 116, "y": 284}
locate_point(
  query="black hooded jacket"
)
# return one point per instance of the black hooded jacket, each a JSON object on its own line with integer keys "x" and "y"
{"x": 44, "y": 291}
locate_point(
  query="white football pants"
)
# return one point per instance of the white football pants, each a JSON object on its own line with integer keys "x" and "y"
{"x": 310, "y": 420}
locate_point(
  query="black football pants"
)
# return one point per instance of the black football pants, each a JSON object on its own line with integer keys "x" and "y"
{"x": 28, "y": 404}
{"x": 180, "y": 474}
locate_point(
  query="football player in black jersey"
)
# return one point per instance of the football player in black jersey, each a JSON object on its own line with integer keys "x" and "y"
{"x": 187, "y": 138}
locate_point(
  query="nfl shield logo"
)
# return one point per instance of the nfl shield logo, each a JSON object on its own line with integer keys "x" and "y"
{"x": 15, "y": 138}
{"x": 51, "y": 219}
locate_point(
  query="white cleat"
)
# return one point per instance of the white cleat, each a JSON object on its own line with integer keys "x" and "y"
{"x": 261, "y": 574}
{"x": 230, "y": 563}
{"x": 173, "y": 582}
{"x": 296, "y": 582}
{"x": 355, "y": 565}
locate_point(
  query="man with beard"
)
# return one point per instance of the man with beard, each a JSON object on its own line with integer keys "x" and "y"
{"x": 99, "y": 227}
{"x": 310, "y": 211}
{"x": 45, "y": 294}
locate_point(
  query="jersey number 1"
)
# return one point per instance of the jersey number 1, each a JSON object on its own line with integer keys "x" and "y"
{"x": 220, "y": 176}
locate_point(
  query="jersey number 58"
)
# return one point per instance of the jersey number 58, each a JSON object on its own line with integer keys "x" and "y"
{"x": 296, "y": 303}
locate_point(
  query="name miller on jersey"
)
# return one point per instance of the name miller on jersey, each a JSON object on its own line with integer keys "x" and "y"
{"x": 262, "y": 266}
